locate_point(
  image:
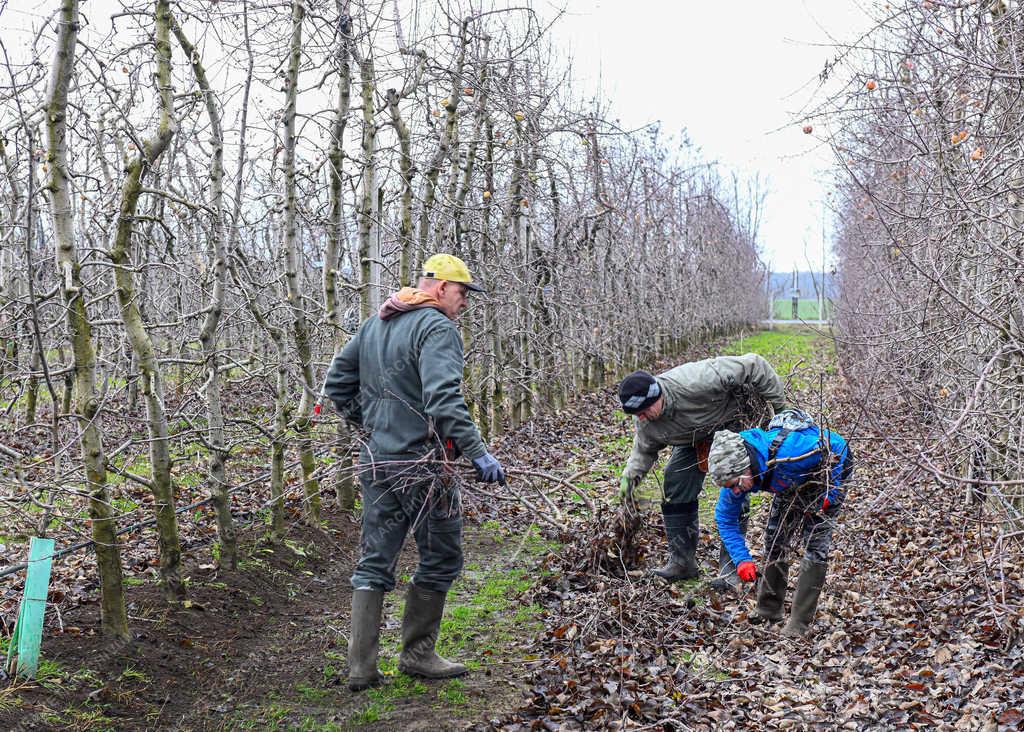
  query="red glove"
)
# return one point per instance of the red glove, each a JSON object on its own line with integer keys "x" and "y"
{"x": 747, "y": 571}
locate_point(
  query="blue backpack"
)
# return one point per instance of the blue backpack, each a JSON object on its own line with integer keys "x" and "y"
{"x": 786, "y": 421}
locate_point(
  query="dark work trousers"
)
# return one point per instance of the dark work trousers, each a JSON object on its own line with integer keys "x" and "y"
{"x": 801, "y": 508}
{"x": 684, "y": 480}
{"x": 395, "y": 500}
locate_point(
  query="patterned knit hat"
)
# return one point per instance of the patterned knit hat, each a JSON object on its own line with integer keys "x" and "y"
{"x": 638, "y": 391}
{"x": 728, "y": 457}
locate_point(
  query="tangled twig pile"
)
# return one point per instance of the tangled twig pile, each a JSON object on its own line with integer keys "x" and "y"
{"x": 617, "y": 545}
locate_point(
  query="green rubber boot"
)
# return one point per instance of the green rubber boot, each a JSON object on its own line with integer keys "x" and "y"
{"x": 681, "y": 530}
{"x": 771, "y": 593}
{"x": 422, "y": 620}
{"x": 364, "y": 641}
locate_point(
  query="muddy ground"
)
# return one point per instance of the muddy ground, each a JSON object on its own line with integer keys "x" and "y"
{"x": 263, "y": 647}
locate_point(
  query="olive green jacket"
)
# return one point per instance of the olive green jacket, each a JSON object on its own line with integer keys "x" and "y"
{"x": 700, "y": 398}
{"x": 401, "y": 380}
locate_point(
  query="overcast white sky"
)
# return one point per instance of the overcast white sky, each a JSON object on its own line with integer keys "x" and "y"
{"x": 732, "y": 74}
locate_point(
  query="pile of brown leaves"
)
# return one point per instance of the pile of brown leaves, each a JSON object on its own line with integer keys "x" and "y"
{"x": 919, "y": 625}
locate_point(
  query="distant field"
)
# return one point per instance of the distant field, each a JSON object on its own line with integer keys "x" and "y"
{"x": 807, "y": 309}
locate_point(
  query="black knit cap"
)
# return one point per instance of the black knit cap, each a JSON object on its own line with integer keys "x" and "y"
{"x": 638, "y": 391}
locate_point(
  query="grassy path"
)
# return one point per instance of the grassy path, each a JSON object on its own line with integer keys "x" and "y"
{"x": 907, "y": 634}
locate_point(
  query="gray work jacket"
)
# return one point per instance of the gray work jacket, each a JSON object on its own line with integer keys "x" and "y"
{"x": 401, "y": 380}
{"x": 700, "y": 398}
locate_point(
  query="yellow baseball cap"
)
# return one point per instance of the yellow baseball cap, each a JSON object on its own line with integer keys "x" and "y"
{"x": 450, "y": 268}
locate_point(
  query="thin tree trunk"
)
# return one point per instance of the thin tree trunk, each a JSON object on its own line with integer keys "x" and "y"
{"x": 32, "y": 390}
{"x": 10, "y": 277}
{"x": 113, "y": 618}
{"x": 406, "y": 172}
{"x": 236, "y": 265}
{"x": 445, "y": 144}
{"x": 208, "y": 332}
{"x": 278, "y": 442}
{"x": 142, "y": 344}
{"x": 344, "y": 484}
{"x": 515, "y": 223}
{"x": 370, "y": 293}
{"x": 491, "y": 405}
{"x": 300, "y": 326}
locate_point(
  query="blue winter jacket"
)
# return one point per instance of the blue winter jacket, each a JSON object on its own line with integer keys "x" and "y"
{"x": 789, "y": 475}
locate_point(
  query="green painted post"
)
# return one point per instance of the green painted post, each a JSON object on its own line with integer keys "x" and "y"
{"x": 33, "y": 606}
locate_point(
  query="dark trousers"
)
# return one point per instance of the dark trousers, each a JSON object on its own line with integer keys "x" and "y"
{"x": 395, "y": 500}
{"x": 683, "y": 476}
{"x": 801, "y": 509}
{"x": 798, "y": 511}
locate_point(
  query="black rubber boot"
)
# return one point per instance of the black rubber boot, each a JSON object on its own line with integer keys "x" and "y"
{"x": 422, "y": 620}
{"x": 727, "y": 579}
{"x": 805, "y": 601}
{"x": 364, "y": 641}
{"x": 681, "y": 530}
{"x": 771, "y": 593}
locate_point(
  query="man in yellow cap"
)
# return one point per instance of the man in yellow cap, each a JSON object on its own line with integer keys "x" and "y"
{"x": 400, "y": 379}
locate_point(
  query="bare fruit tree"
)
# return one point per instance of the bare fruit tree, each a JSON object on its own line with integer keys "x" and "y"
{"x": 927, "y": 127}
{"x": 227, "y": 190}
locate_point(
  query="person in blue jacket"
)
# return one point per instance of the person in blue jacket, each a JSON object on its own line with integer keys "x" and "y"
{"x": 804, "y": 467}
